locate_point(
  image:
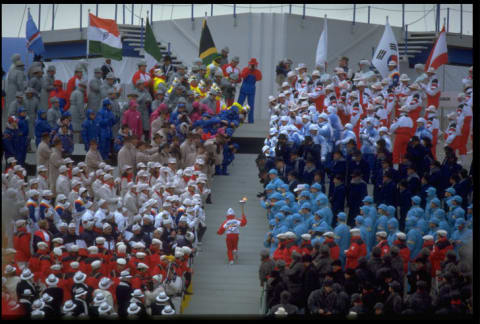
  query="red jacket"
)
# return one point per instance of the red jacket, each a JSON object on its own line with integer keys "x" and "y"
{"x": 404, "y": 253}
{"x": 306, "y": 247}
{"x": 279, "y": 252}
{"x": 246, "y": 71}
{"x": 356, "y": 250}
{"x": 290, "y": 247}
{"x": 334, "y": 248}
{"x": 242, "y": 222}
{"x": 133, "y": 119}
{"x": 21, "y": 243}
{"x": 440, "y": 249}
{"x": 383, "y": 245}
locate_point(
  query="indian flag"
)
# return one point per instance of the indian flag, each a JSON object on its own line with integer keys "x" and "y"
{"x": 153, "y": 55}
{"x": 104, "y": 38}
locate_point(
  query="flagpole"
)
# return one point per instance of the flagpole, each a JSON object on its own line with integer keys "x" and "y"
{"x": 88, "y": 45}
{"x": 444, "y": 65}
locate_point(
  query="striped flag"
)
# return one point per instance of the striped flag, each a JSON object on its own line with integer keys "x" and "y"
{"x": 104, "y": 38}
{"x": 207, "y": 50}
{"x": 33, "y": 37}
{"x": 153, "y": 55}
{"x": 439, "y": 53}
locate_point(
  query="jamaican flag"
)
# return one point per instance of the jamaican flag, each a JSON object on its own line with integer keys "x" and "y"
{"x": 207, "y": 50}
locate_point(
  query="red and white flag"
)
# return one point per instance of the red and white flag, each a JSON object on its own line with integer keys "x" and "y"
{"x": 439, "y": 54}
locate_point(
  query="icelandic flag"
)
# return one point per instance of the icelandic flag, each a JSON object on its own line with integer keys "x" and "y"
{"x": 34, "y": 39}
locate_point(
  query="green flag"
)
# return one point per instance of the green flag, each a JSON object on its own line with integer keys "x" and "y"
{"x": 207, "y": 51}
{"x": 152, "y": 51}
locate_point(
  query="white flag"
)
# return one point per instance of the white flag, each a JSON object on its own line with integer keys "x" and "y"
{"x": 387, "y": 51}
{"x": 321, "y": 57}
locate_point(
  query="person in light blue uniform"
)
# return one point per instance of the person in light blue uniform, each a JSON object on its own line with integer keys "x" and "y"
{"x": 342, "y": 235}
{"x": 316, "y": 190}
{"x": 392, "y": 227}
{"x": 382, "y": 218}
{"x": 416, "y": 210}
{"x": 443, "y": 224}
{"x": 369, "y": 137}
{"x": 414, "y": 237}
{"x": 305, "y": 211}
{"x": 299, "y": 227}
{"x": 335, "y": 123}
{"x": 455, "y": 211}
{"x": 316, "y": 220}
{"x": 431, "y": 194}
{"x": 325, "y": 210}
{"x": 448, "y": 195}
{"x": 433, "y": 206}
{"x": 370, "y": 211}
{"x": 347, "y": 135}
{"x": 369, "y": 226}
{"x": 462, "y": 235}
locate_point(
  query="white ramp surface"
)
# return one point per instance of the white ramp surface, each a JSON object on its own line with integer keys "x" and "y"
{"x": 220, "y": 288}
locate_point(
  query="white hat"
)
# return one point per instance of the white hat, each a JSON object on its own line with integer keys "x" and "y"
{"x": 382, "y": 234}
{"x": 316, "y": 73}
{"x": 140, "y": 255}
{"x": 51, "y": 280}
{"x": 11, "y": 159}
{"x": 99, "y": 298}
{"x": 79, "y": 277}
{"x": 179, "y": 254}
{"x": 62, "y": 169}
{"x": 329, "y": 234}
{"x": 42, "y": 244}
{"x": 20, "y": 222}
{"x": 355, "y": 230}
{"x": 125, "y": 274}
{"x": 291, "y": 74}
{"x": 168, "y": 310}
{"x": 171, "y": 160}
{"x": 96, "y": 264}
{"x": 121, "y": 261}
{"x": 230, "y": 211}
{"x": 361, "y": 84}
{"x": 10, "y": 269}
{"x": 40, "y": 168}
{"x": 392, "y": 63}
{"x": 186, "y": 250}
{"x": 69, "y": 306}
{"x": 401, "y": 236}
{"x": 281, "y": 311}
{"x": 57, "y": 251}
{"x": 189, "y": 236}
{"x": 431, "y": 108}
{"x": 427, "y": 238}
{"x": 107, "y": 176}
{"x": 56, "y": 267}
{"x": 162, "y": 297}
{"x": 74, "y": 264}
{"x": 104, "y": 283}
{"x": 157, "y": 242}
{"x": 404, "y": 77}
{"x": 92, "y": 249}
{"x": 104, "y": 308}
{"x": 421, "y": 120}
{"x": 442, "y": 232}
{"x": 290, "y": 235}
{"x": 383, "y": 129}
{"x": 133, "y": 309}
{"x": 306, "y": 236}
{"x": 271, "y": 98}
{"x": 142, "y": 265}
{"x": 414, "y": 86}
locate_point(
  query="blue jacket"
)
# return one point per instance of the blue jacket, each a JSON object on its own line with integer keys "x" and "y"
{"x": 11, "y": 142}
{"x": 338, "y": 199}
{"x": 389, "y": 193}
{"x": 392, "y": 227}
{"x": 342, "y": 237}
{"x": 90, "y": 130}
{"x": 106, "y": 120}
{"x": 41, "y": 126}
{"x": 67, "y": 142}
{"x": 357, "y": 192}
{"x": 414, "y": 242}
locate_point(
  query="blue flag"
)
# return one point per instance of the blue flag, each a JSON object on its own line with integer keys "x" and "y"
{"x": 34, "y": 39}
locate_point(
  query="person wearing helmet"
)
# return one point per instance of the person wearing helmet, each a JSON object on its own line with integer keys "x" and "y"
{"x": 231, "y": 227}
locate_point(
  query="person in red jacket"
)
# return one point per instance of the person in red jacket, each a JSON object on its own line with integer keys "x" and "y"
{"x": 332, "y": 245}
{"x": 440, "y": 249}
{"x": 40, "y": 262}
{"x": 382, "y": 242}
{"x": 72, "y": 84}
{"x": 279, "y": 252}
{"x": 142, "y": 74}
{"x": 290, "y": 246}
{"x": 21, "y": 243}
{"x": 401, "y": 243}
{"x": 306, "y": 245}
{"x": 428, "y": 242}
{"x": 232, "y": 228}
{"x": 357, "y": 249}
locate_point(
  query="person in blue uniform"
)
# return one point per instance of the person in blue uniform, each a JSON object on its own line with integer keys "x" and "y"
{"x": 41, "y": 126}
{"x": 462, "y": 235}
{"x": 342, "y": 235}
{"x": 90, "y": 129}
{"x": 356, "y": 193}
{"x": 23, "y": 136}
{"x": 11, "y": 138}
{"x": 106, "y": 120}
{"x": 229, "y": 150}
{"x": 392, "y": 227}
{"x": 250, "y": 76}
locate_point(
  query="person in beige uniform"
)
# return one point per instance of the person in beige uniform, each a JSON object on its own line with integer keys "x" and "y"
{"x": 188, "y": 150}
{"x": 142, "y": 155}
{"x": 54, "y": 163}
{"x": 44, "y": 151}
{"x": 93, "y": 157}
{"x": 127, "y": 154}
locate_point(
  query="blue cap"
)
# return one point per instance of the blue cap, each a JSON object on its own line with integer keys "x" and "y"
{"x": 416, "y": 200}
{"x": 451, "y": 190}
{"x": 273, "y": 171}
{"x": 436, "y": 201}
{"x": 431, "y": 190}
{"x": 21, "y": 109}
{"x": 317, "y": 186}
{"x": 276, "y": 196}
{"x": 270, "y": 186}
{"x": 434, "y": 220}
{"x": 459, "y": 222}
{"x": 368, "y": 199}
{"x": 382, "y": 207}
{"x": 470, "y": 206}
{"x": 272, "y": 222}
{"x": 341, "y": 216}
{"x": 306, "y": 205}
{"x": 458, "y": 199}
{"x": 359, "y": 219}
{"x": 285, "y": 209}
{"x": 305, "y": 193}
{"x": 323, "y": 200}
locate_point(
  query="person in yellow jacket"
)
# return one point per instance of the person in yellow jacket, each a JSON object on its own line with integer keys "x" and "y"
{"x": 194, "y": 86}
{"x": 214, "y": 66}
{"x": 158, "y": 78}
{"x": 203, "y": 90}
{"x": 175, "y": 82}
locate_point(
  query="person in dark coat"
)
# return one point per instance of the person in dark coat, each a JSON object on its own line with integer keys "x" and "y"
{"x": 322, "y": 301}
{"x": 338, "y": 196}
{"x": 393, "y": 304}
{"x": 413, "y": 180}
{"x": 369, "y": 298}
{"x": 123, "y": 292}
{"x": 337, "y": 274}
{"x": 311, "y": 279}
{"x": 404, "y": 201}
{"x": 357, "y": 304}
{"x": 342, "y": 301}
{"x": 56, "y": 293}
{"x": 295, "y": 279}
{"x": 337, "y": 168}
{"x": 435, "y": 177}
{"x": 357, "y": 162}
{"x": 285, "y": 299}
{"x": 266, "y": 267}
{"x": 356, "y": 193}
{"x": 351, "y": 282}
{"x": 388, "y": 190}
{"x": 464, "y": 187}
{"x": 375, "y": 261}
{"x": 420, "y": 301}
{"x": 275, "y": 285}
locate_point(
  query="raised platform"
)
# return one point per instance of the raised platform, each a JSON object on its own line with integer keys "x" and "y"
{"x": 250, "y": 137}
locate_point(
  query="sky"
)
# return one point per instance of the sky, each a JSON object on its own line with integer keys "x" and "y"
{"x": 419, "y": 17}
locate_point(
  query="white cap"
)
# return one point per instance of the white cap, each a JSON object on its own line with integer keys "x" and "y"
{"x": 401, "y": 236}
{"x": 230, "y": 211}
{"x": 329, "y": 234}
{"x": 442, "y": 232}
{"x": 382, "y": 234}
{"x": 427, "y": 238}
{"x": 96, "y": 264}
{"x": 92, "y": 249}
{"x": 121, "y": 261}
{"x": 421, "y": 120}
{"x": 306, "y": 236}
{"x": 355, "y": 230}
{"x": 62, "y": 169}
{"x": 392, "y": 63}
